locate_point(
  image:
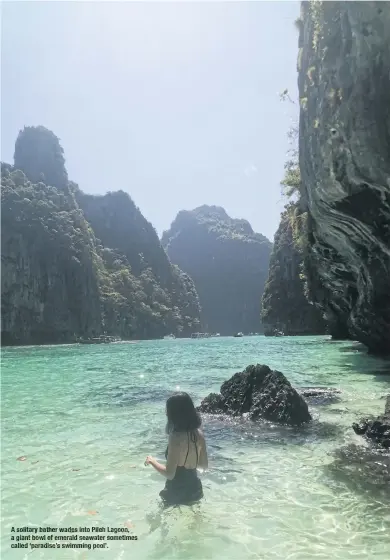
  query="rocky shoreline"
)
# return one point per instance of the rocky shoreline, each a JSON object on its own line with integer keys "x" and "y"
{"x": 376, "y": 430}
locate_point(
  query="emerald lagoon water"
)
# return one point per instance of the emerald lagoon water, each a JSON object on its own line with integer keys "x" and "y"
{"x": 85, "y": 417}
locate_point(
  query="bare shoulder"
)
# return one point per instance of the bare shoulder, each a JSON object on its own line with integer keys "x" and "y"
{"x": 201, "y": 435}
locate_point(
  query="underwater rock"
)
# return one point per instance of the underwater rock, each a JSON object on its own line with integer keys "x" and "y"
{"x": 261, "y": 393}
{"x": 320, "y": 395}
{"x": 377, "y": 430}
{"x": 362, "y": 468}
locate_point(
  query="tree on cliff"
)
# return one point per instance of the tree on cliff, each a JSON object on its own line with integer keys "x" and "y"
{"x": 228, "y": 263}
{"x": 291, "y": 182}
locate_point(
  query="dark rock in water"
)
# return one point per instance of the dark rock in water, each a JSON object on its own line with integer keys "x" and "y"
{"x": 260, "y": 392}
{"x": 214, "y": 404}
{"x": 320, "y": 395}
{"x": 360, "y": 428}
{"x": 377, "y": 430}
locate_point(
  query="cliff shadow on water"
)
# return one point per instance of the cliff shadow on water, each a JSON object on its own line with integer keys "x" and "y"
{"x": 356, "y": 358}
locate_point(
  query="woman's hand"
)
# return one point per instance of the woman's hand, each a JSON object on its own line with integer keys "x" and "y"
{"x": 156, "y": 465}
{"x": 149, "y": 460}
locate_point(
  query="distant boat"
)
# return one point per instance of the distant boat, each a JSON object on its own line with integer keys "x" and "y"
{"x": 104, "y": 339}
{"x": 200, "y": 335}
{"x": 168, "y": 336}
{"x": 238, "y": 335}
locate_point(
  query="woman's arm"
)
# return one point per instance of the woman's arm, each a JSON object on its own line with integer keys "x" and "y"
{"x": 169, "y": 470}
{"x": 203, "y": 462}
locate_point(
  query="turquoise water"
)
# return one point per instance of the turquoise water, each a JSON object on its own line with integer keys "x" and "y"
{"x": 85, "y": 417}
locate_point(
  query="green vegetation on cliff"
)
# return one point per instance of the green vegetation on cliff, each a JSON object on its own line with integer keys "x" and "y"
{"x": 228, "y": 263}
{"x": 285, "y": 304}
{"x": 60, "y": 280}
{"x": 168, "y": 295}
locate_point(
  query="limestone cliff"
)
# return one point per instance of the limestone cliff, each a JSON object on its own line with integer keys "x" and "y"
{"x": 49, "y": 281}
{"x": 40, "y": 156}
{"x": 59, "y": 280}
{"x": 228, "y": 263}
{"x": 285, "y": 306}
{"x": 119, "y": 224}
{"x": 344, "y": 154}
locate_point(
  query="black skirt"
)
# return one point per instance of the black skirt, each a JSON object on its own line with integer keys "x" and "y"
{"x": 184, "y": 489}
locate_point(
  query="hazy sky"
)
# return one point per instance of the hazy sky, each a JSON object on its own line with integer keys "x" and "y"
{"x": 176, "y": 103}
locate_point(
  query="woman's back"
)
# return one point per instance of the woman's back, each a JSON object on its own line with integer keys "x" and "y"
{"x": 190, "y": 448}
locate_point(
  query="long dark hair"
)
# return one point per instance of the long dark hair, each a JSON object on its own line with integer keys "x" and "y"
{"x": 181, "y": 413}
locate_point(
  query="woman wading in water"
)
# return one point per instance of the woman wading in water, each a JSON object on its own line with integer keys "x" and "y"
{"x": 185, "y": 452}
